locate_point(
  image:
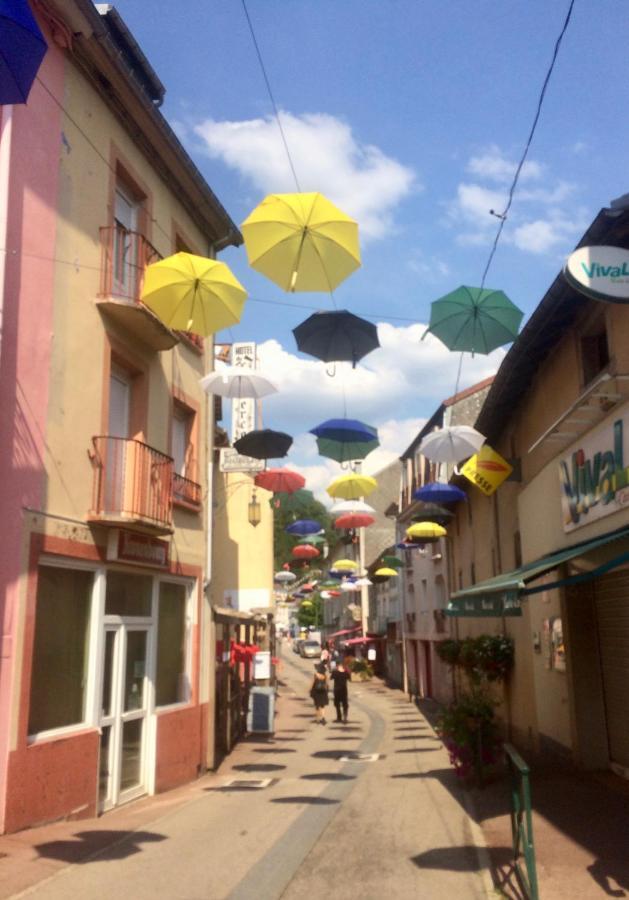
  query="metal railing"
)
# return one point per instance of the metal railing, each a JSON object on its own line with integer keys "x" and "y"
{"x": 522, "y": 822}
{"x": 125, "y": 256}
{"x": 132, "y": 481}
{"x": 186, "y": 491}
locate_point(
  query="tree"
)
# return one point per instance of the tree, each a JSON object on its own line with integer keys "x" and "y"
{"x": 310, "y": 612}
{"x": 289, "y": 508}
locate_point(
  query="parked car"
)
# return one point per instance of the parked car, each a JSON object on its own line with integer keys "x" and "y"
{"x": 310, "y": 649}
{"x": 297, "y": 645}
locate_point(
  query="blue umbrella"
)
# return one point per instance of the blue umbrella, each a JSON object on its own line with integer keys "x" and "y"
{"x": 345, "y": 440}
{"x": 22, "y": 48}
{"x": 408, "y": 545}
{"x": 304, "y": 526}
{"x": 439, "y": 492}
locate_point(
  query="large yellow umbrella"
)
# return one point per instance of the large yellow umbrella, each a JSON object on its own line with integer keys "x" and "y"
{"x": 302, "y": 242}
{"x": 385, "y": 572}
{"x": 426, "y": 531}
{"x": 352, "y": 487}
{"x": 344, "y": 565}
{"x": 193, "y": 293}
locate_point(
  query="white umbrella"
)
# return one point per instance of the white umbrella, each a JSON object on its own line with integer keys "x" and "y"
{"x": 237, "y": 382}
{"x": 349, "y": 586}
{"x": 363, "y": 582}
{"x": 285, "y": 577}
{"x": 351, "y": 506}
{"x": 452, "y": 444}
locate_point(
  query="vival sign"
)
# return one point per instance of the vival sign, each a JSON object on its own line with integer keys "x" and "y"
{"x": 594, "y": 475}
{"x": 600, "y": 272}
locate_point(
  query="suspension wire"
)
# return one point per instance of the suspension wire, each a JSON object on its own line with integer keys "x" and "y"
{"x": 270, "y": 92}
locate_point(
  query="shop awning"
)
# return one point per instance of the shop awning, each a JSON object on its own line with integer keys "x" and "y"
{"x": 500, "y": 596}
{"x": 360, "y": 640}
{"x": 344, "y": 631}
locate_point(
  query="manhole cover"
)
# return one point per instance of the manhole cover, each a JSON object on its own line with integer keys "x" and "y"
{"x": 252, "y": 784}
{"x": 360, "y": 757}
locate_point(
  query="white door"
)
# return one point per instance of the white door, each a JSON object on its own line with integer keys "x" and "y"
{"x": 124, "y": 714}
{"x": 125, "y": 244}
{"x": 116, "y": 449}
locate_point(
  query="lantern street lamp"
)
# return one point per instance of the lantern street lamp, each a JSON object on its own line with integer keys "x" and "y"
{"x": 254, "y": 510}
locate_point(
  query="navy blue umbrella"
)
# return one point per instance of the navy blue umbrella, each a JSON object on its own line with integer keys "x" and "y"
{"x": 439, "y": 492}
{"x": 337, "y": 336}
{"x": 22, "y": 48}
{"x": 304, "y": 526}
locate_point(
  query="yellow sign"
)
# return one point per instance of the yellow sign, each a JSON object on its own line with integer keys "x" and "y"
{"x": 487, "y": 470}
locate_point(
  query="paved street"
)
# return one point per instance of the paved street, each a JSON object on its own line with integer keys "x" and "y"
{"x": 394, "y": 826}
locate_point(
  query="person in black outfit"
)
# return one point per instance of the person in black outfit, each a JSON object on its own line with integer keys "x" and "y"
{"x": 319, "y": 693}
{"x": 340, "y": 676}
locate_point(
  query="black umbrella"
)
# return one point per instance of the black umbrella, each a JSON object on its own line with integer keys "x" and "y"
{"x": 432, "y": 512}
{"x": 264, "y": 444}
{"x": 337, "y": 336}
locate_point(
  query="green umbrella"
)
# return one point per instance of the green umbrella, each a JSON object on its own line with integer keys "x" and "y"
{"x": 294, "y": 502}
{"x": 344, "y": 451}
{"x": 313, "y": 539}
{"x": 392, "y": 562}
{"x": 476, "y": 320}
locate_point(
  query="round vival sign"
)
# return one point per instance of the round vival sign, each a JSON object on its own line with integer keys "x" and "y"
{"x": 600, "y": 272}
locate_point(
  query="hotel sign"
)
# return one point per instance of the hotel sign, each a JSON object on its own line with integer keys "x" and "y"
{"x": 593, "y": 475}
{"x": 600, "y": 272}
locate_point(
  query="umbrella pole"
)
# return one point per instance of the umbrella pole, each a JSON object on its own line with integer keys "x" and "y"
{"x": 458, "y": 374}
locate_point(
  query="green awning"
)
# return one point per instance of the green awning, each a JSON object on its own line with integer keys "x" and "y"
{"x": 500, "y": 596}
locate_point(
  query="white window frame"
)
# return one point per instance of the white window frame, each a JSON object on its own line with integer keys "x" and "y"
{"x": 189, "y": 622}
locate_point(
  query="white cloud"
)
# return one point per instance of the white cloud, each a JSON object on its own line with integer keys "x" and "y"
{"x": 474, "y": 202}
{"x": 359, "y": 178}
{"x": 547, "y": 235}
{"x": 494, "y": 166}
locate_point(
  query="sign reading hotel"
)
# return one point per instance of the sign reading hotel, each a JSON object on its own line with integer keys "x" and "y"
{"x": 594, "y": 475}
{"x": 487, "y": 470}
{"x": 600, "y": 272}
{"x": 243, "y": 356}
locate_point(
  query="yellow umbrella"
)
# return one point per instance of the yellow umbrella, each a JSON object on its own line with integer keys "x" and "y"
{"x": 302, "y": 242}
{"x": 193, "y": 293}
{"x": 344, "y": 564}
{"x": 426, "y": 531}
{"x": 352, "y": 487}
{"x": 385, "y": 572}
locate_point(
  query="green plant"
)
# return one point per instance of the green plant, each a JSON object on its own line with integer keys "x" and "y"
{"x": 470, "y": 733}
{"x": 448, "y": 651}
{"x": 362, "y": 668}
{"x": 485, "y": 658}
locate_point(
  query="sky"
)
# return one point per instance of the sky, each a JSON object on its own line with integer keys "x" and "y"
{"x": 411, "y": 116}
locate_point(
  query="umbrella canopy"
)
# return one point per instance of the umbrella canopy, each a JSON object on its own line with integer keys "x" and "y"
{"x": 408, "y": 545}
{"x": 329, "y": 584}
{"x": 22, "y": 49}
{"x": 302, "y": 242}
{"x": 314, "y": 539}
{"x": 305, "y": 551}
{"x": 439, "y": 492}
{"x": 393, "y": 562}
{"x": 280, "y": 480}
{"x": 425, "y": 531}
{"x": 306, "y": 602}
{"x": 351, "y": 506}
{"x": 363, "y": 582}
{"x": 345, "y": 565}
{"x": 237, "y": 382}
{"x": 431, "y": 512}
{"x": 337, "y": 336}
{"x": 345, "y": 439}
{"x": 451, "y": 444}
{"x": 474, "y": 319}
{"x": 354, "y": 520}
{"x": 285, "y": 577}
{"x": 264, "y": 444}
{"x": 193, "y": 293}
{"x": 293, "y": 502}
{"x": 385, "y": 572}
{"x": 352, "y": 487}
{"x": 349, "y": 586}
{"x": 304, "y": 526}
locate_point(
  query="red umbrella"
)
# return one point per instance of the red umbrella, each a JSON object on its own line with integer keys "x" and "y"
{"x": 276, "y": 480}
{"x": 304, "y": 551}
{"x": 354, "y": 520}
{"x": 334, "y": 593}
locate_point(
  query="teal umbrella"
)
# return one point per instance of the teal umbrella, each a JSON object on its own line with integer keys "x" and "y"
{"x": 344, "y": 451}
{"x": 476, "y": 320}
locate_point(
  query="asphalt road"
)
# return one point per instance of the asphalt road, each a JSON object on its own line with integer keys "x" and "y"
{"x": 392, "y": 823}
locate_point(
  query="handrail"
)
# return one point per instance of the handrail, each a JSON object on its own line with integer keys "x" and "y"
{"x": 522, "y": 821}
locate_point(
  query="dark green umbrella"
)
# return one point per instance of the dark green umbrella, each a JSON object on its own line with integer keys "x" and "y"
{"x": 314, "y": 539}
{"x": 474, "y": 320}
{"x": 392, "y": 561}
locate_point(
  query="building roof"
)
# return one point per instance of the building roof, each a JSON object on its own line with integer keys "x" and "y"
{"x": 557, "y": 311}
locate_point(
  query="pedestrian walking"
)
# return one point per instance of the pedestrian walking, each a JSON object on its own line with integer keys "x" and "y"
{"x": 325, "y": 654}
{"x": 340, "y": 677}
{"x": 319, "y": 693}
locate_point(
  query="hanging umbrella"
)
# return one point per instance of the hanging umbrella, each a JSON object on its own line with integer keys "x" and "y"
{"x": 313, "y": 539}
{"x": 302, "y": 242}
{"x": 193, "y": 293}
{"x": 363, "y": 582}
{"x": 329, "y": 584}
{"x": 264, "y": 444}
{"x": 385, "y": 572}
{"x": 306, "y": 602}
{"x": 352, "y": 487}
{"x": 304, "y": 526}
{"x": 352, "y": 506}
{"x": 431, "y": 512}
{"x": 354, "y": 520}
{"x": 393, "y": 562}
{"x": 293, "y": 502}
{"x": 349, "y": 586}
{"x": 345, "y": 439}
{"x": 337, "y": 336}
{"x": 408, "y": 545}
{"x": 237, "y": 382}
{"x": 427, "y": 532}
{"x": 344, "y": 565}
{"x": 285, "y": 577}
{"x": 305, "y": 551}
{"x": 22, "y": 49}
{"x": 280, "y": 480}
{"x": 451, "y": 444}
{"x": 474, "y": 319}
{"x": 439, "y": 492}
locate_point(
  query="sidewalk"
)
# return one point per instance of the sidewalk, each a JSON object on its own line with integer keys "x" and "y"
{"x": 580, "y": 831}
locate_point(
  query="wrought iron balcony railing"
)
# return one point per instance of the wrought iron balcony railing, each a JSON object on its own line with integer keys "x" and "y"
{"x": 133, "y": 485}
{"x": 186, "y": 492}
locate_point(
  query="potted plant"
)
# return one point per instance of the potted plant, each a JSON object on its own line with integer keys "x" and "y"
{"x": 470, "y": 734}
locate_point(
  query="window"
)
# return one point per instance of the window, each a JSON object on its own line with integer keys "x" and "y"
{"x": 594, "y": 347}
{"x": 125, "y": 245}
{"x": 60, "y": 651}
{"x": 172, "y": 682}
{"x": 517, "y": 549}
{"x": 128, "y": 595}
{"x": 183, "y": 419}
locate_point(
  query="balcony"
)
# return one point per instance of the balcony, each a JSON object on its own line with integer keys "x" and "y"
{"x": 186, "y": 493}
{"x": 133, "y": 486}
{"x": 124, "y": 257}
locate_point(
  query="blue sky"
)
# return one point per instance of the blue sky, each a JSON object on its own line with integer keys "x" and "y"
{"x": 410, "y": 115}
